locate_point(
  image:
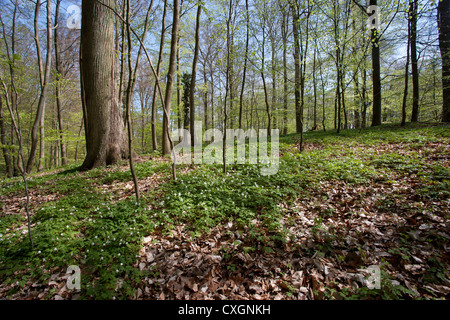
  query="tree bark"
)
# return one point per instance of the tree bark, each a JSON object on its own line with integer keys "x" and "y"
{"x": 376, "y": 77}
{"x": 6, "y": 151}
{"x": 205, "y": 96}
{"x": 298, "y": 74}
{"x": 295, "y": 17}
{"x": 241, "y": 97}
{"x": 405, "y": 91}
{"x": 266, "y": 98}
{"x": 415, "y": 71}
{"x": 122, "y": 55}
{"x": 284, "y": 23}
{"x": 129, "y": 94}
{"x": 179, "y": 86}
{"x": 194, "y": 76}
{"x": 170, "y": 78}
{"x": 104, "y": 131}
{"x": 58, "y": 88}
{"x": 44, "y": 76}
{"x": 274, "y": 83}
{"x": 338, "y": 89}
{"x": 158, "y": 71}
{"x": 444, "y": 45}
{"x": 212, "y": 98}
{"x": 315, "y": 91}
{"x": 227, "y": 83}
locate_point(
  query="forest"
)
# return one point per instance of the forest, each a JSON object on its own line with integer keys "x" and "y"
{"x": 125, "y": 168}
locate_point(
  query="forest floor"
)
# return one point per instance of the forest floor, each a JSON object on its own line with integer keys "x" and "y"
{"x": 350, "y": 203}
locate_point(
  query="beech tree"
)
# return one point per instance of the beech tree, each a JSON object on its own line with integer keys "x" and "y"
{"x": 158, "y": 71}
{"x": 413, "y": 11}
{"x": 104, "y": 127}
{"x": 194, "y": 75}
{"x": 444, "y": 45}
{"x": 170, "y": 77}
{"x": 44, "y": 74}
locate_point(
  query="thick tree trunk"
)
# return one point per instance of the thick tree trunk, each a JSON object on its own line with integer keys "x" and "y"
{"x": 105, "y": 135}
{"x": 444, "y": 45}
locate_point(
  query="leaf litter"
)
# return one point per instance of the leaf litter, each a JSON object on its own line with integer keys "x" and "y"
{"x": 333, "y": 235}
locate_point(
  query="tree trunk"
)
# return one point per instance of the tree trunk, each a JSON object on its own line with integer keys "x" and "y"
{"x": 194, "y": 76}
{"x": 315, "y": 91}
{"x": 284, "y": 23}
{"x": 338, "y": 90}
{"x": 6, "y": 152}
{"x": 128, "y": 97}
{"x": 241, "y": 97}
{"x": 376, "y": 77}
{"x": 212, "y": 97}
{"x": 180, "y": 118}
{"x": 58, "y": 88}
{"x": 304, "y": 55}
{"x": 44, "y": 76}
{"x": 444, "y": 45}
{"x": 274, "y": 83}
{"x": 295, "y": 17}
{"x": 104, "y": 131}
{"x": 266, "y": 98}
{"x": 405, "y": 92}
{"x": 323, "y": 93}
{"x": 227, "y": 82}
{"x": 364, "y": 98}
{"x": 298, "y": 75}
{"x": 122, "y": 56}
{"x": 205, "y": 96}
{"x": 158, "y": 71}
{"x": 186, "y": 81}
{"x": 170, "y": 77}
{"x": 415, "y": 72}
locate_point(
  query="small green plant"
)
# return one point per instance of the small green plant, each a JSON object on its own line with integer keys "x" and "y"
{"x": 389, "y": 289}
{"x": 436, "y": 272}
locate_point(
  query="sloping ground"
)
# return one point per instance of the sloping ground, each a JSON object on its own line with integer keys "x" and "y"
{"x": 349, "y": 202}
{"x": 332, "y": 242}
